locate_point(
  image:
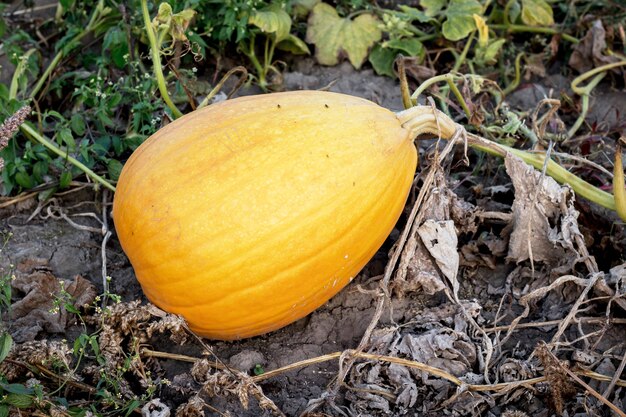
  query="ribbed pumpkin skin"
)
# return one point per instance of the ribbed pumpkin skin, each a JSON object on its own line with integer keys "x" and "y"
{"x": 249, "y": 214}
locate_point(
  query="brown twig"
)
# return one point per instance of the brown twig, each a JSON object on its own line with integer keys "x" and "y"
{"x": 382, "y": 358}
{"x": 590, "y": 320}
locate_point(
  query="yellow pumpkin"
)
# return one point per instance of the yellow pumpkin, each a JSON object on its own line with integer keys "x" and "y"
{"x": 249, "y": 214}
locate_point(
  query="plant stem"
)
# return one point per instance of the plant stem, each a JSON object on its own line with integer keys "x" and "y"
{"x": 449, "y": 78}
{"x": 554, "y": 170}
{"x": 424, "y": 119}
{"x": 155, "y": 51}
{"x": 459, "y": 61}
{"x": 255, "y": 62}
{"x": 404, "y": 83}
{"x": 54, "y": 148}
{"x": 220, "y": 84}
{"x": 535, "y": 29}
{"x": 518, "y": 75}
{"x": 618, "y": 182}
{"x": 589, "y": 74}
{"x": 585, "y": 91}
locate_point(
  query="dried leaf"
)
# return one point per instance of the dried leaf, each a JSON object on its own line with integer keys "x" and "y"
{"x": 589, "y": 53}
{"x": 544, "y": 219}
{"x": 416, "y": 269}
{"x": 442, "y": 348}
{"x": 33, "y": 313}
{"x": 441, "y": 241}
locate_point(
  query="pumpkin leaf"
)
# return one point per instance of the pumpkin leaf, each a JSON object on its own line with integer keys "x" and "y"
{"x": 459, "y": 21}
{"x": 294, "y": 45}
{"x": 383, "y": 56}
{"x": 514, "y": 10}
{"x": 409, "y": 46}
{"x": 382, "y": 60}
{"x": 487, "y": 55}
{"x": 334, "y": 36}
{"x": 432, "y": 7}
{"x": 493, "y": 50}
{"x": 416, "y": 14}
{"x": 272, "y": 20}
{"x": 537, "y": 13}
{"x": 301, "y": 8}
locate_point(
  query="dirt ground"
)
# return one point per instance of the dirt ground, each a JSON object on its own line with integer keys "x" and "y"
{"x": 444, "y": 320}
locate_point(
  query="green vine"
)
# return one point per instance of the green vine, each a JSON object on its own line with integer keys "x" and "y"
{"x": 584, "y": 92}
{"x": 155, "y": 52}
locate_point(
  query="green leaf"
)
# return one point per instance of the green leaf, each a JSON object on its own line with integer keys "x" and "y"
{"x": 45, "y": 195}
{"x": 67, "y": 139}
{"x": 294, "y": 45}
{"x": 17, "y": 389}
{"x": 19, "y": 400}
{"x": 409, "y": 47}
{"x": 334, "y": 36}
{"x": 24, "y": 180}
{"x": 514, "y": 10}
{"x": 272, "y": 20}
{"x": 492, "y": 50}
{"x": 459, "y": 19}
{"x": 65, "y": 179}
{"x": 4, "y": 410}
{"x": 40, "y": 168}
{"x": 432, "y": 7}
{"x": 258, "y": 369}
{"x": 6, "y": 343}
{"x": 94, "y": 345}
{"x": 415, "y": 14}
{"x": 131, "y": 407}
{"x": 67, "y": 4}
{"x": 77, "y": 123}
{"x": 537, "y": 13}
{"x": 115, "y": 169}
{"x": 70, "y": 308}
{"x": 383, "y": 56}
{"x": 382, "y": 60}
{"x": 301, "y": 8}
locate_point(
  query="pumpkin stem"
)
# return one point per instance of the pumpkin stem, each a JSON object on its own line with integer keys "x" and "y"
{"x": 425, "y": 119}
